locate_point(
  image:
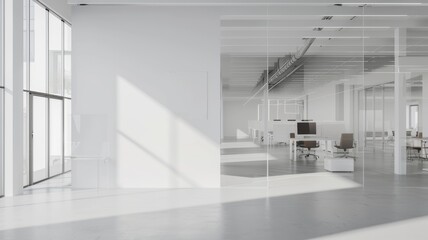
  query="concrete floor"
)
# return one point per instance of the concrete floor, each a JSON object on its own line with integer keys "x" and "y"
{"x": 306, "y": 205}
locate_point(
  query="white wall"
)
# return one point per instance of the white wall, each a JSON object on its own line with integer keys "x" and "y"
{"x": 146, "y": 93}
{"x": 424, "y": 109}
{"x": 60, "y": 7}
{"x": 322, "y": 103}
{"x": 13, "y": 97}
{"x": 236, "y": 117}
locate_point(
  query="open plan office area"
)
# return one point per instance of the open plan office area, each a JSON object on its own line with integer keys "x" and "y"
{"x": 213, "y": 119}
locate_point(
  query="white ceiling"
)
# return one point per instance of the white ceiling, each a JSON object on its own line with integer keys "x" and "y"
{"x": 346, "y": 47}
{"x": 248, "y": 2}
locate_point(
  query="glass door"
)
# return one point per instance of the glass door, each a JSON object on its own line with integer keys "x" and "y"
{"x": 38, "y": 138}
{"x": 55, "y": 137}
{"x": 1, "y": 143}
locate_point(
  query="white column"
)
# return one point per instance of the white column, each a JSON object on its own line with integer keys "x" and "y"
{"x": 305, "y": 107}
{"x": 265, "y": 118}
{"x": 424, "y": 123}
{"x": 400, "y": 111}
{"x": 348, "y": 115}
{"x": 13, "y": 70}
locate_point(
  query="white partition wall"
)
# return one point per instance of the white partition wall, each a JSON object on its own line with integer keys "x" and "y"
{"x": 153, "y": 75}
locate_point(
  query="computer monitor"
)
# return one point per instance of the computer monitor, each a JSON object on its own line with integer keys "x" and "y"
{"x": 306, "y": 128}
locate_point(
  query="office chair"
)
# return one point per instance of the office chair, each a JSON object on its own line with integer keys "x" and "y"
{"x": 299, "y": 144}
{"x": 346, "y": 143}
{"x": 311, "y": 145}
{"x": 414, "y": 149}
{"x": 424, "y": 144}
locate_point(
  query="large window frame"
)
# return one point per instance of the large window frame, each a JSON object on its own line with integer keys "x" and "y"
{"x": 46, "y": 93}
{"x": 2, "y": 119}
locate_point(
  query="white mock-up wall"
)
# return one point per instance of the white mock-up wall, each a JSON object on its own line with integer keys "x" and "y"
{"x": 146, "y": 94}
{"x": 236, "y": 116}
{"x": 322, "y": 103}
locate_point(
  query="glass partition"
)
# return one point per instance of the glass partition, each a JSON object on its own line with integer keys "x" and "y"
{"x": 316, "y": 64}
{"x": 282, "y": 69}
{"x": 396, "y": 61}
{"x": 246, "y": 130}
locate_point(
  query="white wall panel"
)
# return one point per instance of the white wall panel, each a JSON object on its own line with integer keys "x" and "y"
{"x": 154, "y": 74}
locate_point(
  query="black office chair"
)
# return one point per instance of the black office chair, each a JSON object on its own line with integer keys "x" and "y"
{"x": 311, "y": 145}
{"x": 299, "y": 144}
{"x": 346, "y": 143}
{"x": 413, "y": 151}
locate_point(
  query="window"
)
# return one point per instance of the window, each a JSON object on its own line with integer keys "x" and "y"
{"x": 55, "y": 137}
{"x": 38, "y": 48}
{"x": 47, "y": 92}
{"x": 67, "y": 134}
{"x": 55, "y": 55}
{"x": 39, "y": 151}
{"x": 67, "y": 60}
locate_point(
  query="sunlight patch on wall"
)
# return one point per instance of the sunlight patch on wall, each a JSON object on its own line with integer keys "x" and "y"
{"x": 156, "y": 148}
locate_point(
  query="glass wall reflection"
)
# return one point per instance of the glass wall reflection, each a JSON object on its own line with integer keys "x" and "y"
{"x": 246, "y": 131}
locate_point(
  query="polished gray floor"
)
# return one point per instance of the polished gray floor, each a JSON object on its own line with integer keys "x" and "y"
{"x": 299, "y": 204}
{"x": 372, "y": 165}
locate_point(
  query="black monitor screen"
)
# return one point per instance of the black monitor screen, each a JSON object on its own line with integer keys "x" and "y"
{"x": 306, "y": 128}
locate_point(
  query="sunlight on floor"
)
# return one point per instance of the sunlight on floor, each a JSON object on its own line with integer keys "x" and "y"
{"x": 295, "y": 183}
{"x": 407, "y": 229}
{"x": 42, "y": 208}
{"x": 228, "y": 145}
{"x": 246, "y": 157}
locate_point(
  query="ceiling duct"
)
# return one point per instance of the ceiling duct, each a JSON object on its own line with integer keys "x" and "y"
{"x": 292, "y": 60}
{"x": 283, "y": 65}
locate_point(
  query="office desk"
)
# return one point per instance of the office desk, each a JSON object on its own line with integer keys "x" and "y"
{"x": 424, "y": 146}
{"x": 293, "y": 144}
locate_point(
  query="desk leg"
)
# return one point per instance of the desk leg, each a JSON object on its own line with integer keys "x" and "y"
{"x": 325, "y": 148}
{"x": 295, "y": 150}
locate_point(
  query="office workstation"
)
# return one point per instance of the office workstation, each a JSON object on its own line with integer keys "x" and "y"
{"x": 307, "y": 101}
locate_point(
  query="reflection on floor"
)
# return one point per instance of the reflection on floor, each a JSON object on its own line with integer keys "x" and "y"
{"x": 247, "y": 165}
{"x": 250, "y": 165}
{"x": 59, "y": 183}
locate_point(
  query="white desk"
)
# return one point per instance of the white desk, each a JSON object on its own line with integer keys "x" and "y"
{"x": 293, "y": 144}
